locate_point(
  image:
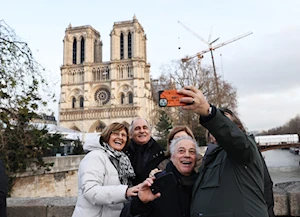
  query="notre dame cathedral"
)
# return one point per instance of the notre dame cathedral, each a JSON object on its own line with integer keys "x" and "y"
{"x": 96, "y": 93}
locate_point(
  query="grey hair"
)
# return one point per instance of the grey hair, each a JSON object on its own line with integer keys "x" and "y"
{"x": 175, "y": 141}
{"x": 132, "y": 122}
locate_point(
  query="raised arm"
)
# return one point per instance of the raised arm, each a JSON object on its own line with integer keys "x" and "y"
{"x": 234, "y": 141}
{"x": 229, "y": 136}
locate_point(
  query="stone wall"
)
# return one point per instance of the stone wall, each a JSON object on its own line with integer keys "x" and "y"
{"x": 286, "y": 196}
{"x": 61, "y": 181}
{"x": 41, "y": 207}
{"x": 287, "y": 199}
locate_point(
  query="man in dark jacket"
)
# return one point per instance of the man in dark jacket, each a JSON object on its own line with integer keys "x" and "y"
{"x": 3, "y": 189}
{"x": 268, "y": 183}
{"x": 231, "y": 178}
{"x": 143, "y": 151}
{"x": 174, "y": 199}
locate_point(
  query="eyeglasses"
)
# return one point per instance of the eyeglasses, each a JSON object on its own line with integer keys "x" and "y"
{"x": 117, "y": 133}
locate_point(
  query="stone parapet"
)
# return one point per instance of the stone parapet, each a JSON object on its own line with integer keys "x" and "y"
{"x": 286, "y": 197}
{"x": 60, "y": 181}
{"x": 41, "y": 207}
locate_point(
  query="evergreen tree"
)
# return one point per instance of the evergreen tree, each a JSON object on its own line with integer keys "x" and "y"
{"x": 163, "y": 126}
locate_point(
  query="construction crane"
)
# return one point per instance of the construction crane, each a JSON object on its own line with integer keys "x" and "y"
{"x": 210, "y": 49}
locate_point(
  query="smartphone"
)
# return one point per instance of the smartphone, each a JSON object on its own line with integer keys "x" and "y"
{"x": 168, "y": 98}
{"x": 163, "y": 181}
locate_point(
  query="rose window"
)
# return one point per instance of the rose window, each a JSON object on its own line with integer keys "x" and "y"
{"x": 102, "y": 95}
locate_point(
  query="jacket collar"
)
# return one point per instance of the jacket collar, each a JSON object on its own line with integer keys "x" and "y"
{"x": 150, "y": 144}
{"x": 183, "y": 180}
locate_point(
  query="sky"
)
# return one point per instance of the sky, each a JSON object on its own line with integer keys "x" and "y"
{"x": 264, "y": 67}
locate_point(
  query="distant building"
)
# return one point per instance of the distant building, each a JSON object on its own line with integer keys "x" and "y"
{"x": 277, "y": 139}
{"x": 45, "y": 119}
{"x": 95, "y": 93}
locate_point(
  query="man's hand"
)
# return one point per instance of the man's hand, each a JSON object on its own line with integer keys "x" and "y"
{"x": 133, "y": 190}
{"x": 196, "y": 99}
{"x": 145, "y": 194}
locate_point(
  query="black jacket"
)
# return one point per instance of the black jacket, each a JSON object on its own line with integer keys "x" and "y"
{"x": 231, "y": 178}
{"x": 268, "y": 191}
{"x": 268, "y": 185}
{"x": 173, "y": 202}
{"x": 144, "y": 158}
{"x": 3, "y": 189}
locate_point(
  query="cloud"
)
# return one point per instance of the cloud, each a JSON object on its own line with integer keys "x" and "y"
{"x": 265, "y": 69}
{"x": 267, "y": 64}
{"x": 263, "y": 111}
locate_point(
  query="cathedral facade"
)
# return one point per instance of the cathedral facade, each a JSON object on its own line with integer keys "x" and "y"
{"x": 94, "y": 93}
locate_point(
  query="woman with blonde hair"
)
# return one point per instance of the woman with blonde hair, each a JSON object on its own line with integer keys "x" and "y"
{"x": 104, "y": 175}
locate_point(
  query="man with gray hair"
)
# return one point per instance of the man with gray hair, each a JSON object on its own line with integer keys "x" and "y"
{"x": 143, "y": 151}
{"x": 173, "y": 198}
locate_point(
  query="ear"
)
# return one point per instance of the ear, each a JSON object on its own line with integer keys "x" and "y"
{"x": 228, "y": 115}
{"x": 171, "y": 158}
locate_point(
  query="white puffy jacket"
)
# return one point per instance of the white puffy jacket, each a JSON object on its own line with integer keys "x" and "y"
{"x": 100, "y": 193}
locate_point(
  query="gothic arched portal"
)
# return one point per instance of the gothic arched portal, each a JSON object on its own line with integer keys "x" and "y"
{"x": 98, "y": 126}
{"x": 75, "y": 128}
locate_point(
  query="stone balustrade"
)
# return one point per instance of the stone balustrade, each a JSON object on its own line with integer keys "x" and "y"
{"x": 287, "y": 199}
{"x": 286, "y": 196}
{"x": 121, "y": 112}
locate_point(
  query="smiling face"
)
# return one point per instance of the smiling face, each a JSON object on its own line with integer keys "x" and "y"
{"x": 184, "y": 157}
{"x": 140, "y": 132}
{"x": 117, "y": 139}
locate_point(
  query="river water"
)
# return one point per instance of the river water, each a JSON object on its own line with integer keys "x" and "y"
{"x": 283, "y": 165}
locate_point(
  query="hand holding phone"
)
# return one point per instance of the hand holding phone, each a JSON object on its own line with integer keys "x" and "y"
{"x": 163, "y": 182}
{"x": 167, "y": 98}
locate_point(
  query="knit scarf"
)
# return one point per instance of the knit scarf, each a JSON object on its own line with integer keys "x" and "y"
{"x": 122, "y": 163}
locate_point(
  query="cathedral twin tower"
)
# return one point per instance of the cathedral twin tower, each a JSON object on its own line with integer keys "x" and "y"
{"x": 96, "y": 93}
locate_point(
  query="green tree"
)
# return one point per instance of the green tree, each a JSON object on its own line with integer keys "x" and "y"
{"x": 24, "y": 93}
{"x": 163, "y": 127}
